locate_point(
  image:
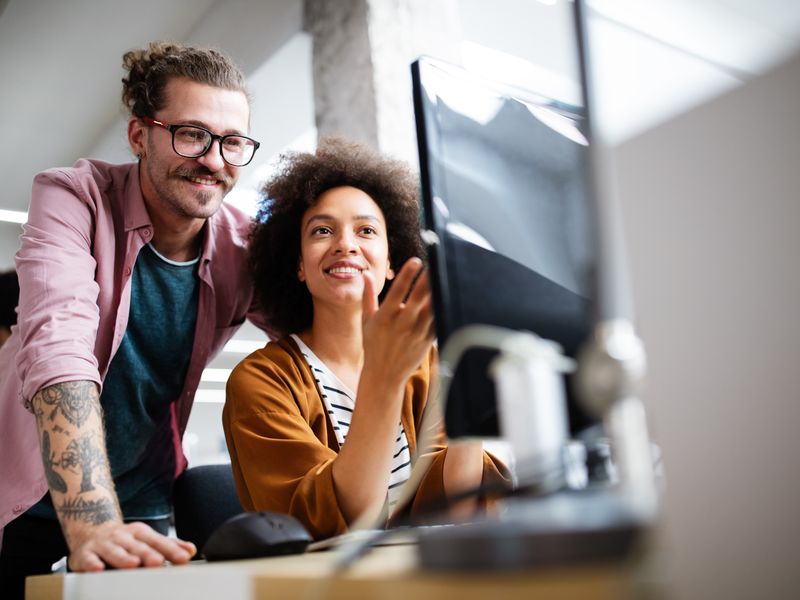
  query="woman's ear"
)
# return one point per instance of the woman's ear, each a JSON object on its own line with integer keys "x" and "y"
{"x": 389, "y": 272}
{"x": 301, "y": 275}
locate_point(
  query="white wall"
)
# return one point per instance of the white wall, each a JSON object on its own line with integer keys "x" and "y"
{"x": 9, "y": 243}
{"x": 711, "y": 204}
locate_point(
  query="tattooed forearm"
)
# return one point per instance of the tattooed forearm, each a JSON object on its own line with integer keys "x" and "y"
{"x": 54, "y": 480}
{"x": 89, "y": 511}
{"x": 84, "y": 455}
{"x": 103, "y": 478}
{"x": 70, "y": 423}
{"x": 75, "y": 400}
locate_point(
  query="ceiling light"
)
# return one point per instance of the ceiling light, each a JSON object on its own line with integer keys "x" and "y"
{"x": 215, "y": 375}
{"x": 13, "y": 216}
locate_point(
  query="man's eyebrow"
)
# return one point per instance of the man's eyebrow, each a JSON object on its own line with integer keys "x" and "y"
{"x": 205, "y": 126}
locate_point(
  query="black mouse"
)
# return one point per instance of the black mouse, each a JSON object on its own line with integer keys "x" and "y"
{"x": 256, "y": 534}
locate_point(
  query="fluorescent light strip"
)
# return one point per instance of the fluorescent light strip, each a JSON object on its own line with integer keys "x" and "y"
{"x": 244, "y": 346}
{"x": 215, "y": 375}
{"x": 13, "y": 216}
{"x": 210, "y": 396}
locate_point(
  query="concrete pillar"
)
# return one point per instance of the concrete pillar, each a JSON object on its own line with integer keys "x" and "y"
{"x": 362, "y": 51}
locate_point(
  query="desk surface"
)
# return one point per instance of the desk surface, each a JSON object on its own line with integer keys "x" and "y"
{"x": 390, "y": 572}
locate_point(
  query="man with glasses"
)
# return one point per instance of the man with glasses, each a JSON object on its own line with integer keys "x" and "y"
{"x": 132, "y": 278}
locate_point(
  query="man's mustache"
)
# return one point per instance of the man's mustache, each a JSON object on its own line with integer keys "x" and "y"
{"x": 226, "y": 180}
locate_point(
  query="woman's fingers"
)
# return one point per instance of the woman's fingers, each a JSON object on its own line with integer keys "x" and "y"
{"x": 425, "y": 321}
{"x": 408, "y": 303}
{"x": 403, "y": 283}
{"x": 397, "y": 336}
{"x": 421, "y": 292}
{"x": 369, "y": 299}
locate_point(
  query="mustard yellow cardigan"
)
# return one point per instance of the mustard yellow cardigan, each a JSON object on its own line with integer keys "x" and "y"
{"x": 282, "y": 444}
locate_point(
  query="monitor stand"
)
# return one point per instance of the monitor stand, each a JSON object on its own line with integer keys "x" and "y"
{"x": 563, "y": 528}
{"x": 566, "y": 526}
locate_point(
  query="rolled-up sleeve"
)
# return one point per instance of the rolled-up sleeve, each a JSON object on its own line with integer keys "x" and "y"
{"x": 58, "y": 311}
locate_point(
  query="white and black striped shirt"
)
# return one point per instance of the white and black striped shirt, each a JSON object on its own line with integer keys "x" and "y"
{"x": 340, "y": 401}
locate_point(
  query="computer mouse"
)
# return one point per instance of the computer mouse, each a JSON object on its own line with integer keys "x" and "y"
{"x": 256, "y": 534}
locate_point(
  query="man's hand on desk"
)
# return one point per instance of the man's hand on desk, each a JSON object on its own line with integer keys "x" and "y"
{"x": 75, "y": 459}
{"x": 125, "y": 546}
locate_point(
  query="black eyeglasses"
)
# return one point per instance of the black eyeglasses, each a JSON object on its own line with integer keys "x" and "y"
{"x": 192, "y": 141}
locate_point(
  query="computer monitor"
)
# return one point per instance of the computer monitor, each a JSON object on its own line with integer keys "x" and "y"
{"x": 510, "y": 224}
{"x": 521, "y": 235}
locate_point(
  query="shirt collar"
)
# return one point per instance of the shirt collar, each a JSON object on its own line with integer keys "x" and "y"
{"x": 136, "y": 215}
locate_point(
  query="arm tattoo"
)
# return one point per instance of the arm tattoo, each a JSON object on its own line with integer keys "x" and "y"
{"x": 83, "y": 454}
{"x": 54, "y": 480}
{"x": 90, "y": 511}
{"x": 62, "y": 411}
{"x": 74, "y": 399}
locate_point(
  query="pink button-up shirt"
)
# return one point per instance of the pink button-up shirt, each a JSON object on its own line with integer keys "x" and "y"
{"x": 86, "y": 225}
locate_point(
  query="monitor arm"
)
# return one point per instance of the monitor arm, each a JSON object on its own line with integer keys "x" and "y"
{"x": 537, "y": 527}
{"x": 532, "y": 407}
{"x": 611, "y": 370}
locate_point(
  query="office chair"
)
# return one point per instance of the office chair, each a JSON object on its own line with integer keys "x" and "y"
{"x": 204, "y": 497}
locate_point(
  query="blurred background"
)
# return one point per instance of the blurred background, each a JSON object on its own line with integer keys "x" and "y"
{"x": 699, "y": 103}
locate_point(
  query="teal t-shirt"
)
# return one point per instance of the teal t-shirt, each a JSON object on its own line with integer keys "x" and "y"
{"x": 146, "y": 374}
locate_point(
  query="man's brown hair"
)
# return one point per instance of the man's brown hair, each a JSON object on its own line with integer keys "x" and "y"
{"x": 151, "y": 69}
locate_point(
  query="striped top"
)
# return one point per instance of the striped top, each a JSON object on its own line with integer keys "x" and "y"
{"x": 339, "y": 402}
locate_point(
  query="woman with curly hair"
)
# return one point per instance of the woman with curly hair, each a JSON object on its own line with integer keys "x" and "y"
{"x": 336, "y": 228}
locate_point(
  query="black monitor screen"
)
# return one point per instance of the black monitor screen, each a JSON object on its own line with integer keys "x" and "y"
{"x": 504, "y": 186}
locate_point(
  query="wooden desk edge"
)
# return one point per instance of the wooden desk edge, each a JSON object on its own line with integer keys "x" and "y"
{"x": 392, "y": 574}
{"x": 44, "y": 587}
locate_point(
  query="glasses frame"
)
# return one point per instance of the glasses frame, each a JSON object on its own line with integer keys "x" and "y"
{"x": 221, "y": 138}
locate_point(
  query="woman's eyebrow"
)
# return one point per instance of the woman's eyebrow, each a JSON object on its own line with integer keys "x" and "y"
{"x": 324, "y": 217}
{"x": 367, "y": 218}
{"x": 319, "y": 218}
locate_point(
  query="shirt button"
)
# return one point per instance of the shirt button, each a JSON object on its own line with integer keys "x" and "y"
{"x": 127, "y": 270}
{"x": 18, "y": 508}
{"x": 147, "y": 233}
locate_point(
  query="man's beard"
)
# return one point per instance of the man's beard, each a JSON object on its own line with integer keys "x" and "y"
{"x": 192, "y": 203}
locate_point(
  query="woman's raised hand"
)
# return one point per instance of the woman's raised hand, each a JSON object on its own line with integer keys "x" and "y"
{"x": 398, "y": 333}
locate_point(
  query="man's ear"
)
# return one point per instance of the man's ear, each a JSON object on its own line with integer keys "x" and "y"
{"x": 136, "y": 136}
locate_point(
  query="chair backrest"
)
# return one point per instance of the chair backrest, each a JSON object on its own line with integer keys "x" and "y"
{"x": 204, "y": 497}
